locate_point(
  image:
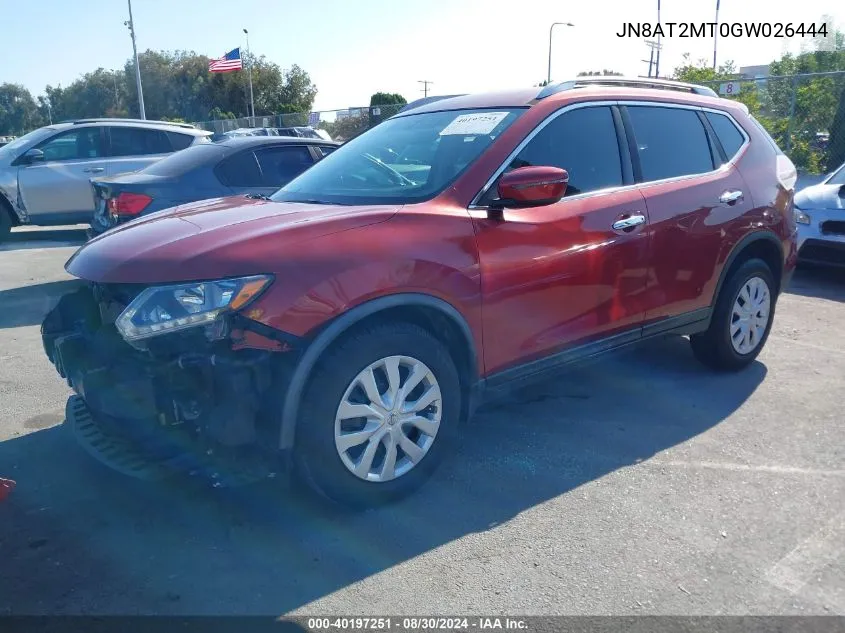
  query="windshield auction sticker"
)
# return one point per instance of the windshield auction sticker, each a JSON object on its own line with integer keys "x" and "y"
{"x": 469, "y": 124}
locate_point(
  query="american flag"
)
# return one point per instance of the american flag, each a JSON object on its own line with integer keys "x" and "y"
{"x": 229, "y": 62}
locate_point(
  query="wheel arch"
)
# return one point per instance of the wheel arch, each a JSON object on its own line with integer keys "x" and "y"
{"x": 762, "y": 244}
{"x": 423, "y": 309}
{"x": 7, "y": 206}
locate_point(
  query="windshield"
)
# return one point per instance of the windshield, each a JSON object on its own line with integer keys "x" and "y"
{"x": 25, "y": 140}
{"x": 838, "y": 177}
{"x": 184, "y": 160}
{"x": 403, "y": 160}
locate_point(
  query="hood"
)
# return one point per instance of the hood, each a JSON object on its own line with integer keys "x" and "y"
{"x": 222, "y": 237}
{"x": 821, "y": 197}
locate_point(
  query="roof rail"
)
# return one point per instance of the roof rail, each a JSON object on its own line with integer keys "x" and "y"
{"x": 139, "y": 121}
{"x": 631, "y": 82}
{"x": 424, "y": 101}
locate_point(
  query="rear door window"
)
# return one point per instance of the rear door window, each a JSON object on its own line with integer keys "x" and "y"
{"x": 671, "y": 142}
{"x": 240, "y": 170}
{"x": 134, "y": 141}
{"x": 280, "y": 165}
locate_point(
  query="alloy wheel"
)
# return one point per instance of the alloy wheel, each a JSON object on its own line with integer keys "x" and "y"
{"x": 388, "y": 418}
{"x": 750, "y": 315}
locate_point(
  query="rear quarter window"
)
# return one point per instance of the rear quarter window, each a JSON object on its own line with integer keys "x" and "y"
{"x": 726, "y": 131}
{"x": 180, "y": 141}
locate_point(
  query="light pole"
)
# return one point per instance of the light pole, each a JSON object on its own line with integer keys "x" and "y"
{"x": 715, "y": 34}
{"x": 251, "y": 97}
{"x": 131, "y": 25}
{"x": 551, "y": 28}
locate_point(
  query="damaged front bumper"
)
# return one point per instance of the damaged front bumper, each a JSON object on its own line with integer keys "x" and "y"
{"x": 183, "y": 403}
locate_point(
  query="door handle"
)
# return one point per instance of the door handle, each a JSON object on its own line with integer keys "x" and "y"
{"x": 93, "y": 170}
{"x": 629, "y": 222}
{"x": 730, "y": 197}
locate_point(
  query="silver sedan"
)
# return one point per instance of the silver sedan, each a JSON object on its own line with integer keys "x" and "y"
{"x": 820, "y": 215}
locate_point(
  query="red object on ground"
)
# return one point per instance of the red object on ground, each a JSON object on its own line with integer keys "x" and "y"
{"x": 6, "y": 487}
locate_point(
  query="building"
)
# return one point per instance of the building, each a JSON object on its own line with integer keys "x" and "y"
{"x": 754, "y": 72}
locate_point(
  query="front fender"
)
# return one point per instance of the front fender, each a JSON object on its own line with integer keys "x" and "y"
{"x": 326, "y": 336}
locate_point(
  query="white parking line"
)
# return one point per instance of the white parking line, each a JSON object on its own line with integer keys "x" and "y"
{"x": 798, "y": 567}
{"x": 36, "y": 246}
{"x": 777, "y": 470}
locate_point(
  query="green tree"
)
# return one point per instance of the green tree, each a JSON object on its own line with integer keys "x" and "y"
{"x": 178, "y": 85}
{"x": 216, "y": 114}
{"x": 18, "y": 110}
{"x": 701, "y": 71}
{"x": 387, "y": 98}
{"x": 297, "y": 89}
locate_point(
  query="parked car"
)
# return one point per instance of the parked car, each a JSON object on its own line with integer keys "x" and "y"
{"x": 44, "y": 175}
{"x": 303, "y": 132}
{"x": 349, "y": 324}
{"x": 249, "y": 131}
{"x": 256, "y": 165}
{"x": 820, "y": 214}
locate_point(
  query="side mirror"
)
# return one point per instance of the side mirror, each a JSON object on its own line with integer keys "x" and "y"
{"x": 32, "y": 156}
{"x": 531, "y": 187}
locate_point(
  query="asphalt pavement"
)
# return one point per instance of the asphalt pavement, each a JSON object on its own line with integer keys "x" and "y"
{"x": 639, "y": 484}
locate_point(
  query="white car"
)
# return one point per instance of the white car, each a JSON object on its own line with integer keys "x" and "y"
{"x": 45, "y": 175}
{"x": 820, "y": 216}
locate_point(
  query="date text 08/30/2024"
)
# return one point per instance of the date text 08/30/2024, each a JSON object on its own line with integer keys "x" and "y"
{"x": 459, "y": 623}
{"x": 722, "y": 29}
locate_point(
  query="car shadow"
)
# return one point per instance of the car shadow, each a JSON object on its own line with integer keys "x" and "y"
{"x": 43, "y": 238}
{"x": 820, "y": 282}
{"x": 76, "y": 537}
{"x": 28, "y": 305}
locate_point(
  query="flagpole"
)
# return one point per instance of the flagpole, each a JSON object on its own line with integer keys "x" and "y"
{"x": 251, "y": 97}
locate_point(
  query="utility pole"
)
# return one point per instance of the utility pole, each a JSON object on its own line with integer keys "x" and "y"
{"x": 716, "y": 34}
{"x": 425, "y": 83}
{"x": 551, "y": 28}
{"x": 251, "y": 96}
{"x": 131, "y": 25}
{"x": 657, "y": 63}
{"x": 654, "y": 46}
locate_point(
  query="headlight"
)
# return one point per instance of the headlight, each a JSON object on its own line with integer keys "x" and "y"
{"x": 800, "y": 216}
{"x": 163, "y": 309}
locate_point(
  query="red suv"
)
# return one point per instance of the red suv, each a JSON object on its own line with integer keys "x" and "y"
{"x": 346, "y": 325}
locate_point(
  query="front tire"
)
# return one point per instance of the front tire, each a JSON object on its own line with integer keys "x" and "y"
{"x": 379, "y": 412}
{"x": 741, "y": 320}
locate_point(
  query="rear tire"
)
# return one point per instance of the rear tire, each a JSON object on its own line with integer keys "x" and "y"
{"x": 741, "y": 320}
{"x": 388, "y": 451}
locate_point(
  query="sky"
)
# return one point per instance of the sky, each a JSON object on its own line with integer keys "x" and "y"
{"x": 353, "y": 48}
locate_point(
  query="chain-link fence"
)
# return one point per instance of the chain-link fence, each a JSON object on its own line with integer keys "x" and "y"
{"x": 341, "y": 125}
{"x": 805, "y": 114}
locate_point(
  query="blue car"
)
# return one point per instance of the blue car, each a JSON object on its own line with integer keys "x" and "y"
{"x": 257, "y": 165}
